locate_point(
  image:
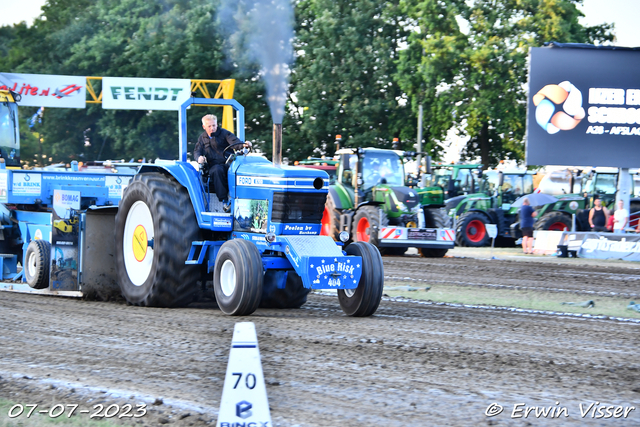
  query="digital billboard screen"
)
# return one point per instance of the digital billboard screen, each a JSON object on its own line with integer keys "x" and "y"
{"x": 583, "y": 107}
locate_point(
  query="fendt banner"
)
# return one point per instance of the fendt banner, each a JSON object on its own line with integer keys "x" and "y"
{"x": 132, "y": 93}
{"x": 583, "y": 107}
{"x": 44, "y": 90}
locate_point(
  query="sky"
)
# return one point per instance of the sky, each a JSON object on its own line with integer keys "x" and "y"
{"x": 623, "y": 13}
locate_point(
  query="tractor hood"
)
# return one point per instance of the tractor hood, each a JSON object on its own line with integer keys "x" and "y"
{"x": 256, "y": 171}
{"x": 453, "y": 202}
{"x": 256, "y": 178}
{"x": 406, "y": 195}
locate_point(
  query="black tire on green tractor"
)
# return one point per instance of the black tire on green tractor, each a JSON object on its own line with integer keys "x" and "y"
{"x": 330, "y": 220}
{"x": 367, "y": 223}
{"x": 155, "y": 226}
{"x": 553, "y": 221}
{"x": 36, "y": 268}
{"x": 433, "y": 252}
{"x": 238, "y": 277}
{"x": 391, "y": 251}
{"x": 471, "y": 230}
{"x": 435, "y": 218}
{"x": 364, "y": 300}
{"x": 294, "y": 294}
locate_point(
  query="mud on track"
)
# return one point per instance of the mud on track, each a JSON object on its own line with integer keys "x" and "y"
{"x": 411, "y": 364}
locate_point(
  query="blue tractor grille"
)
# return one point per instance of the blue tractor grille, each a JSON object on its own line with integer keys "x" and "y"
{"x": 302, "y": 208}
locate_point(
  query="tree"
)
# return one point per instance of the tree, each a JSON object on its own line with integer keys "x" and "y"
{"x": 131, "y": 38}
{"x": 342, "y": 82}
{"x": 474, "y": 80}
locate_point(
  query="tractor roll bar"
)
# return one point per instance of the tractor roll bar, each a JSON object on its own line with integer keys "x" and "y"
{"x": 206, "y": 102}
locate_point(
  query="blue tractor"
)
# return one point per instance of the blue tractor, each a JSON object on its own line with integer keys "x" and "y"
{"x": 172, "y": 235}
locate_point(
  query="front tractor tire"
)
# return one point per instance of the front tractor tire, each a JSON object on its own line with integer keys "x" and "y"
{"x": 238, "y": 277}
{"x": 553, "y": 221}
{"x": 367, "y": 223}
{"x": 472, "y": 231}
{"x": 364, "y": 300}
{"x": 155, "y": 226}
{"x": 36, "y": 271}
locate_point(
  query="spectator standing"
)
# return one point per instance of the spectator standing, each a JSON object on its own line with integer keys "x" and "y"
{"x": 598, "y": 216}
{"x": 527, "y": 214}
{"x": 620, "y": 218}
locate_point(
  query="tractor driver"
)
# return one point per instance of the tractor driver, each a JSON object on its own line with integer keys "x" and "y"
{"x": 210, "y": 147}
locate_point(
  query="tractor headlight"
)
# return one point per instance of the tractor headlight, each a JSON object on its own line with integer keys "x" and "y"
{"x": 270, "y": 237}
{"x": 344, "y": 236}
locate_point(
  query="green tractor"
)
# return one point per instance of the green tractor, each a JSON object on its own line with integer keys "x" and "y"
{"x": 455, "y": 181}
{"x": 491, "y": 204}
{"x": 371, "y": 201}
{"x": 601, "y": 183}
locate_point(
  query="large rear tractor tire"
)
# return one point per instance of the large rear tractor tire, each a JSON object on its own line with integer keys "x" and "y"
{"x": 294, "y": 295}
{"x": 472, "y": 231}
{"x": 37, "y": 259}
{"x": 330, "y": 220}
{"x": 367, "y": 223}
{"x": 553, "y": 221}
{"x": 365, "y": 299}
{"x": 238, "y": 277}
{"x": 155, "y": 226}
{"x": 437, "y": 218}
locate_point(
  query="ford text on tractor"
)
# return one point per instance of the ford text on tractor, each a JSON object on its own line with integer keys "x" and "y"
{"x": 172, "y": 237}
{"x": 370, "y": 200}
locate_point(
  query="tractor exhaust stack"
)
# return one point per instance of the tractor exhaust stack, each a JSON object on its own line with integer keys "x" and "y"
{"x": 277, "y": 144}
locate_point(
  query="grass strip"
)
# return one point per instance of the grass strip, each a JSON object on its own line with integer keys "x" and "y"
{"x": 517, "y": 298}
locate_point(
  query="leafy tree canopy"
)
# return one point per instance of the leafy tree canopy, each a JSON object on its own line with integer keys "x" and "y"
{"x": 129, "y": 38}
{"x": 343, "y": 77}
{"x": 362, "y": 69}
{"x": 466, "y": 61}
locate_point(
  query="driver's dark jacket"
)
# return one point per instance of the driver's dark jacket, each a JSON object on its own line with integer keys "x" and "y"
{"x": 213, "y": 147}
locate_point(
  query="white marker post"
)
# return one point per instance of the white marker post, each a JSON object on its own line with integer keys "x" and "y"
{"x": 492, "y": 230}
{"x": 244, "y": 396}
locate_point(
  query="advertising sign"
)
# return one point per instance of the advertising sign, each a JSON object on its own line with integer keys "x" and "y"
{"x": 583, "y": 107}
{"x": 64, "y": 240}
{"x": 44, "y": 90}
{"x": 130, "y": 93}
{"x": 116, "y": 185}
{"x": 603, "y": 245}
{"x": 251, "y": 215}
{"x": 26, "y": 184}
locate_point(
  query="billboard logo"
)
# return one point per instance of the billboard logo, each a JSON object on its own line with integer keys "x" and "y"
{"x": 67, "y": 90}
{"x": 558, "y": 107}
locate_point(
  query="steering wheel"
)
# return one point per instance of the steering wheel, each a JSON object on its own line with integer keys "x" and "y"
{"x": 233, "y": 145}
{"x": 229, "y": 159}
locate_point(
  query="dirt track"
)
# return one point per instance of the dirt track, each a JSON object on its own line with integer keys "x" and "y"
{"x": 411, "y": 364}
